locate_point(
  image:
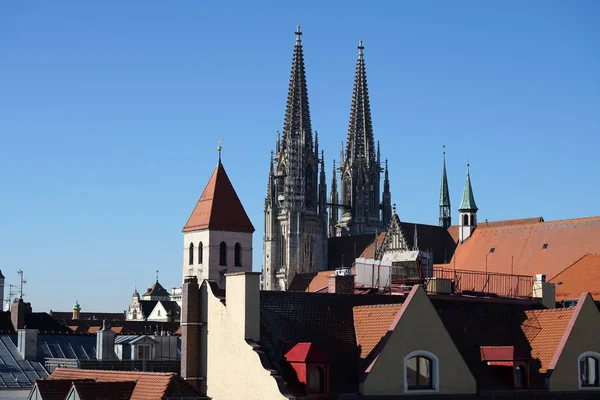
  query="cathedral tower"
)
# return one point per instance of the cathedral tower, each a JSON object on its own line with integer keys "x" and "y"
{"x": 295, "y": 238}
{"x": 364, "y": 209}
{"x": 445, "y": 218}
{"x": 467, "y": 211}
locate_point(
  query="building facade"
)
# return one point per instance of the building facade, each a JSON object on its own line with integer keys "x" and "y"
{"x": 295, "y": 238}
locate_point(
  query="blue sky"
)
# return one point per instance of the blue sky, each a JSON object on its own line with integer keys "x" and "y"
{"x": 110, "y": 113}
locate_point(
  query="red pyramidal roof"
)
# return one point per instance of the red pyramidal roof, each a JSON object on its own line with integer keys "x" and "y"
{"x": 219, "y": 207}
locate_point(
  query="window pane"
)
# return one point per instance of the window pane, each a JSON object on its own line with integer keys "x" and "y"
{"x": 411, "y": 372}
{"x": 424, "y": 372}
{"x": 592, "y": 371}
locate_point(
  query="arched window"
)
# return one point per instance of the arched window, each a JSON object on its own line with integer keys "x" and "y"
{"x": 589, "y": 370}
{"x": 316, "y": 379}
{"x": 238, "y": 255}
{"x": 222, "y": 254}
{"x": 465, "y": 219}
{"x": 421, "y": 372}
{"x": 200, "y": 252}
{"x": 520, "y": 376}
{"x": 191, "y": 254}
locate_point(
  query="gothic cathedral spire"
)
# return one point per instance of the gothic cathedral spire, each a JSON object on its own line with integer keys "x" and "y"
{"x": 360, "y": 167}
{"x": 295, "y": 238}
{"x": 445, "y": 215}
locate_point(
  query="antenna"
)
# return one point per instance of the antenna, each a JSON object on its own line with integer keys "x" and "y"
{"x": 23, "y": 281}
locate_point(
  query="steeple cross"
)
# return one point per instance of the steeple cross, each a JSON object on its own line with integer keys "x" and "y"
{"x": 156, "y": 275}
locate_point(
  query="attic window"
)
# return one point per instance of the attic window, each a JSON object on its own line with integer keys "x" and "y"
{"x": 492, "y": 250}
{"x": 545, "y": 246}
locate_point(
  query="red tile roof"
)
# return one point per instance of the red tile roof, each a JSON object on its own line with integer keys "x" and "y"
{"x": 150, "y": 385}
{"x": 372, "y": 323}
{"x": 219, "y": 207}
{"x": 453, "y": 230}
{"x": 157, "y": 290}
{"x": 582, "y": 276}
{"x": 519, "y": 249}
{"x": 544, "y": 330}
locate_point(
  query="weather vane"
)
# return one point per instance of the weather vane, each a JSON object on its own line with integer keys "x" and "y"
{"x": 219, "y": 147}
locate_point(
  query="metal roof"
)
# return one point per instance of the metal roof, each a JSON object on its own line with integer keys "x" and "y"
{"x": 15, "y": 372}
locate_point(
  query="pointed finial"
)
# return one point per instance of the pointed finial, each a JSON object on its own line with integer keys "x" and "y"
{"x": 394, "y": 209}
{"x": 468, "y": 169}
{"x": 103, "y": 324}
{"x": 219, "y": 147}
{"x": 444, "y": 147}
{"x": 386, "y": 163}
{"x": 156, "y": 275}
{"x": 323, "y": 156}
{"x": 298, "y": 34}
{"x": 360, "y": 47}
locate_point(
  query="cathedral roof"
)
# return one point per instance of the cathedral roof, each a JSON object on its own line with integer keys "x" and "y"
{"x": 219, "y": 207}
{"x": 157, "y": 290}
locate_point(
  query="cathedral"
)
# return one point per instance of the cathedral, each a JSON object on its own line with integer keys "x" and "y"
{"x": 298, "y": 216}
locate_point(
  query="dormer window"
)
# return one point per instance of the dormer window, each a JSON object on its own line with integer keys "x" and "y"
{"x": 492, "y": 250}
{"x": 316, "y": 379}
{"x": 544, "y": 246}
{"x": 589, "y": 370}
{"x": 311, "y": 366}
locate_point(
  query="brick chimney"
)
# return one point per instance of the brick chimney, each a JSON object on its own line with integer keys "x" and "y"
{"x": 18, "y": 311}
{"x": 341, "y": 282}
{"x": 243, "y": 302}
{"x": 190, "y": 332}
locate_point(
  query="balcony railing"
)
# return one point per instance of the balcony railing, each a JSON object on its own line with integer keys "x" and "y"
{"x": 442, "y": 280}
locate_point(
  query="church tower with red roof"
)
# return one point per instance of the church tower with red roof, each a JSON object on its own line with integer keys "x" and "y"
{"x": 217, "y": 237}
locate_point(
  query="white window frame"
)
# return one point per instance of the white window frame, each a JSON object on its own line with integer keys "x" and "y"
{"x": 582, "y": 356}
{"x": 435, "y": 369}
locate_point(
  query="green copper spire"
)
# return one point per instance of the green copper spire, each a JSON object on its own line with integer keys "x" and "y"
{"x": 468, "y": 200}
{"x": 445, "y": 218}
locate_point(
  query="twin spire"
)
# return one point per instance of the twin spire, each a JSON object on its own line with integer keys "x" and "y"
{"x": 297, "y": 113}
{"x": 360, "y": 142}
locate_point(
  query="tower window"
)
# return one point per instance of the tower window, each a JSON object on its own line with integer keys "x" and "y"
{"x": 191, "y": 254}
{"x": 466, "y": 219}
{"x": 238, "y": 255}
{"x": 222, "y": 254}
{"x": 200, "y": 253}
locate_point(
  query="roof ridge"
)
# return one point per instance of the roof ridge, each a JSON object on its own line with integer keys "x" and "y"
{"x": 378, "y": 305}
{"x": 579, "y": 259}
{"x": 116, "y": 372}
{"x": 519, "y": 226}
{"x": 571, "y": 219}
{"x": 562, "y": 309}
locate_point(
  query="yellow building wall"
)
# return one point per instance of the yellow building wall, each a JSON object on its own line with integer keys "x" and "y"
{"x": 585, "y": 336}
{"x": 234, "y": 370}
{"x": 419, "y": 328}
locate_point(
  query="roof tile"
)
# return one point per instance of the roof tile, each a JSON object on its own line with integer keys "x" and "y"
{"x": 582, "y": 276}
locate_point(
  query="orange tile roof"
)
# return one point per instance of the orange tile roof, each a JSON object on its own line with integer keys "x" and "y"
{"x": 582, "y": 276}
{"x": 369, "y": 252}
{"x": 453, "y": 230}
{"x": 150, "y": 385}
{"x": 219, "y": 207}
{"x": 372, "y": 323}
{"x": 544, "y": 330}
{"x": 566, "y": 240}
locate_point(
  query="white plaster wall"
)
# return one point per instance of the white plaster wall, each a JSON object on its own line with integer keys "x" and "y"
{"x": 211, "y": 240}
{"x": 154, "y": 315}
{"x": 199, "y": 270}
{"x": 234, "y": 370}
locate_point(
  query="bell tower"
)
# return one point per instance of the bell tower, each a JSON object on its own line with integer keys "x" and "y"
{"x": 467, "y": 211}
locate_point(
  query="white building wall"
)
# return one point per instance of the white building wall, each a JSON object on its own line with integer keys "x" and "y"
{"x": 211, "y": 241}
